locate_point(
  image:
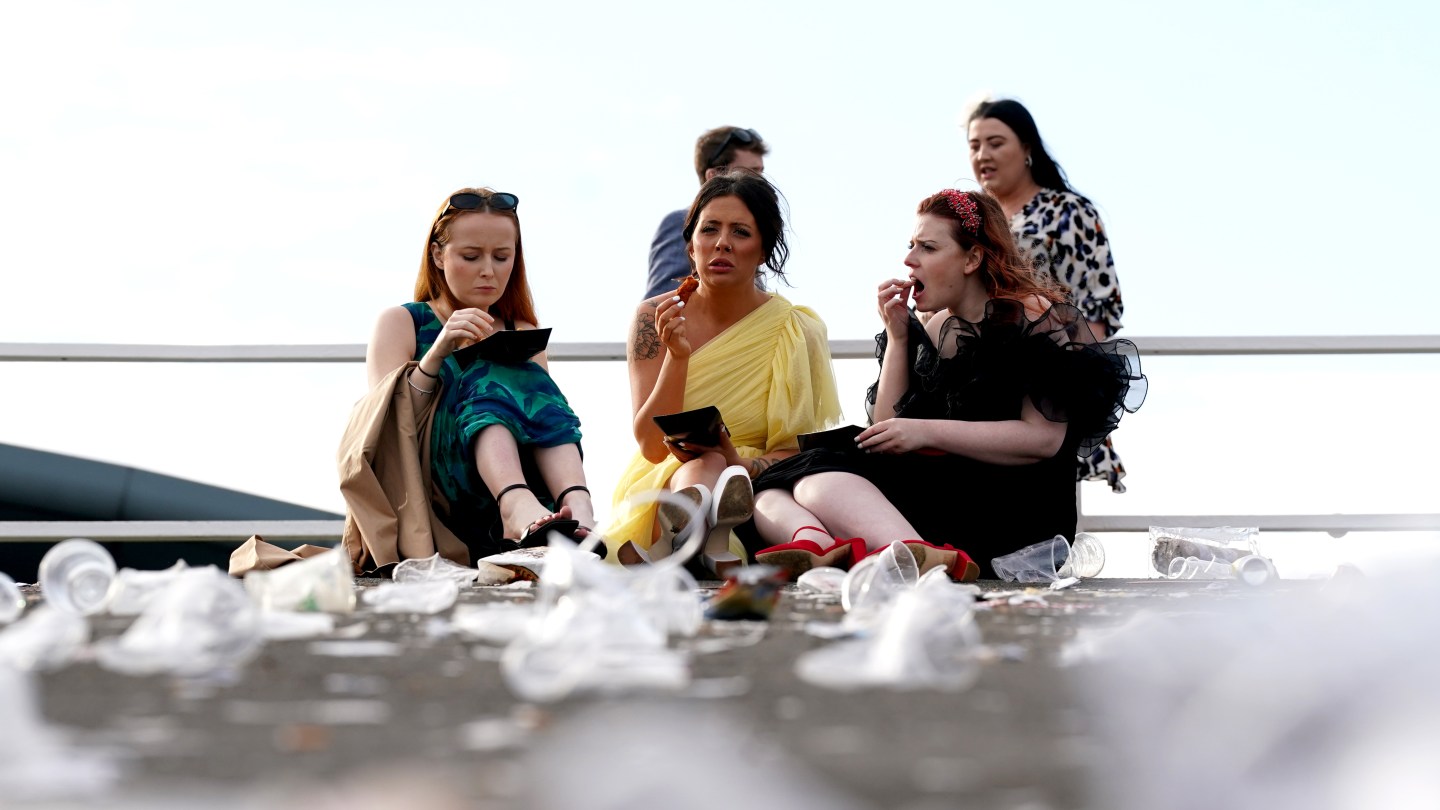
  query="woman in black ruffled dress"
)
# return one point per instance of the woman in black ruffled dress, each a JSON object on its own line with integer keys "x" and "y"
{"x": 976, "y": 419}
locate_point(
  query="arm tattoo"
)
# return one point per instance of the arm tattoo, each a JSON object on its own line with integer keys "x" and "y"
{"x": 759, "y": 465}
{"x": 645, "y": 344}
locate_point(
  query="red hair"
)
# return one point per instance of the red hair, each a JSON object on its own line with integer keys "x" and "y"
{"x": 515, "y": 304}
{"x": 1004, "y": 273}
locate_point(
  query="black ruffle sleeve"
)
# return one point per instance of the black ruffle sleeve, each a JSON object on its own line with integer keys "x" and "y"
{"x": 983, "y": 371}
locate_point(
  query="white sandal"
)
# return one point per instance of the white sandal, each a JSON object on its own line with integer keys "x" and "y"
{"x": 674, "y": 520}
{"x": 732, "y": 504}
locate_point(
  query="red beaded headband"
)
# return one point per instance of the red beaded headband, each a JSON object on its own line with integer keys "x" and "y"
{"x": 962, "y": 204}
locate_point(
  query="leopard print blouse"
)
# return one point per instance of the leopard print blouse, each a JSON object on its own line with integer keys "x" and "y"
{"x": 1062, "y": 235}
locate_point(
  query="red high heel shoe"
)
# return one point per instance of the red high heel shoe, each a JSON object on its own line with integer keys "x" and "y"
{"x": 799, "y": 556}
{"x": 955, "y": 562}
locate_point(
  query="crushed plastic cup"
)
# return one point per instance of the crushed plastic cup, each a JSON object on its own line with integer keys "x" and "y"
{"x": 202, "y": 622}
{"x": 132, "y": 590}
{"x": 591, "y": 644}
{"x": 1039, "y": 562}
{"x": 876, "y": 581}
{"x": 12, "y": 601}
{"x": 425, "y": 569}
{"x": 321, "y": 583}
{"x": 926, "y": 638}
{"x": 599, "y": 627}
{"x": 428, "y": 597}
{"x": 824, "y": 579}
{"x": 672, "y": 595}
{"x": 75, "y": 576}
{"x": 47, "y": 638}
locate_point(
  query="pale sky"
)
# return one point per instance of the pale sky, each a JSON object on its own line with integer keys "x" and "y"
{"x": 265, "y": 172}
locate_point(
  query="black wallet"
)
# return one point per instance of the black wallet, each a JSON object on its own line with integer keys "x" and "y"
{"x": 699, "y": 427}
{"x": 841, "y": 438}
{"x": 507, "y": 347}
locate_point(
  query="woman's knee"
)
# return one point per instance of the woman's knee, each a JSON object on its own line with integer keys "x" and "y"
{"x": 770, "y": 500}
{"x": 817, "y": 488}
{"x": 707, "y": 466}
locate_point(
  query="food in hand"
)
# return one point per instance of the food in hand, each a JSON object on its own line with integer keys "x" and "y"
{"x": 687, "y": 289}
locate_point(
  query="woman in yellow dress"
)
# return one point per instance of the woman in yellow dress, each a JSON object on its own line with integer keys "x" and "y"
{"x": 762, "y": 361}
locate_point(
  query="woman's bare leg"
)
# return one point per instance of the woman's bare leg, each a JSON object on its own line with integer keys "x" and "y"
{"x": 497, "y": 457}
{"x": 703, "y": 470}
{"x": 561, "y": 468}
{"x": 780, "y": 518}
{"x": 851, "y": 506}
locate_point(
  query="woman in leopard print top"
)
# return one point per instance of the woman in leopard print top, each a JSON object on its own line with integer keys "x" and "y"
{"x": 1057, "y": 228}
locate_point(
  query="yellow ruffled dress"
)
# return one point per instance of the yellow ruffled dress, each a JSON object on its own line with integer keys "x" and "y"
{"x": 763, "y": 412}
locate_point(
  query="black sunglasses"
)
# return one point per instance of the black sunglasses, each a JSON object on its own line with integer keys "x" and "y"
{"x": 469, "y": 201}
{"x": 741, "y": 136}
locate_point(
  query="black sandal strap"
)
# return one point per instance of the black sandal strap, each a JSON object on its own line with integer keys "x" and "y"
{"x": 510, "y": 488}
{"x": 560, "y": 499}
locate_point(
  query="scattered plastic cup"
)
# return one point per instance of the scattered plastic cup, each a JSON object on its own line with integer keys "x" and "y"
{"x": 132, "y": 590}
{"x": 877, "y": 580}
{"x": 321, "y": 583}
{"x": 47, "y": 638}
{"x": 201, "y": 622}
{"x": 925, "y": 638}
{"x": 425, "y": 569}
{"x": 1087, "y": 557}
{"x": 825, "y": 579}
{"x": 416, "y": 596}
{"x": 1040, "y": 562}
{"x": 12, "y": 602}
{"x": 1225, "y": 544}
{"x": 75, "y": 576}
{"x": 1252, "y": 569}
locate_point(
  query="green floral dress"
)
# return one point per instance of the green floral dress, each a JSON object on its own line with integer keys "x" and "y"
{"x": 523, "y": 398}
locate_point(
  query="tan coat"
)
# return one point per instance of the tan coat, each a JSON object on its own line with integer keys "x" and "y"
{"x": 384, "y": 462}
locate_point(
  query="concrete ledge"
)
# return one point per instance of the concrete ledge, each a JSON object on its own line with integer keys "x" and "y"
{"x": 226, "y": 531}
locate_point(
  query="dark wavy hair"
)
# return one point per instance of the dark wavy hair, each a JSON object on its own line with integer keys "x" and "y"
{"x": 1043, "y": 169}
{"x": 763, "y": 201}
{"x": 1002, "y": 270}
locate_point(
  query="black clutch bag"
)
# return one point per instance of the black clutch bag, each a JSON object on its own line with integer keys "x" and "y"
{"x": 841, "y": 439}
{"x": 699, "y": 427}
{"x": 507, "y": 347}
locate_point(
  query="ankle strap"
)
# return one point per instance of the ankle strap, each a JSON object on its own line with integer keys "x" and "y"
{"x": 560, "y": 499}
{"x": 816, "y": 528}
{"x": 510, "y": 488}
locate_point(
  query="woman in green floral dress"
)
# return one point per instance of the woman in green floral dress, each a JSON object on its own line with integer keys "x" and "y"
{"x": 505, "y": 443}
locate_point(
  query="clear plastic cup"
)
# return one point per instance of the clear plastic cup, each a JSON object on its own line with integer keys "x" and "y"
{"x": 1087, "y": 557}
{"x": 1040, "y": 562}
{"x": 434, "y": 567}
{"x": 75, "y": 576}
{"x": 878, "y": 579}
{"x": 1254, "y": 569}
{"x": 322, "y": 583}
{"x": 200, "y": 623}
{"x": 12, "y": 602}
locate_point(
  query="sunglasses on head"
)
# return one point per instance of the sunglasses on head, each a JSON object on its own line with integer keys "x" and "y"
{"x": 470, "y": 201}
{"x": 737, "y": 135}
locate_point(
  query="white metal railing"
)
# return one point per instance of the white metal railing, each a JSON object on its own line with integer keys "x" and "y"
{"x": 570, "y": 352}
{"x": 329, "y": 530}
